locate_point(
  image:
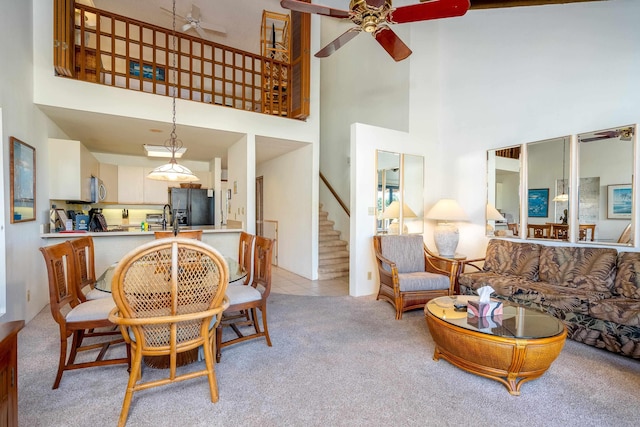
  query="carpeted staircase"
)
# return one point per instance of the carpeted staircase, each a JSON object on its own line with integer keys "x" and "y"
{"x": 333, "y": 253}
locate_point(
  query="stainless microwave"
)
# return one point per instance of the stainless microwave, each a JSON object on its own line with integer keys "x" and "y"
{"x": 98, "y": 190}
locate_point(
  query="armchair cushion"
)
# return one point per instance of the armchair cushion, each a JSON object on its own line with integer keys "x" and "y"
{"x": 422, "y": 281}
{"x": 406, "y": 251}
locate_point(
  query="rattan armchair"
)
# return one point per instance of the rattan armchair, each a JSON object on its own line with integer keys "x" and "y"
{"x": 411, "y": 275}
{"x": 170, "y": 294}
{"x": 75, "y": 318}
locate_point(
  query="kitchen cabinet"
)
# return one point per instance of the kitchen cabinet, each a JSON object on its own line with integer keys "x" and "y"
{"x": 108, "y": 173}
{"x": 71, "y": 167}
{"x": 130, "y": 183}
{"x": 155, "y": 192}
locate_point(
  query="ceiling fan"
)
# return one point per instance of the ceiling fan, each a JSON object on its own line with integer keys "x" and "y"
{"x": 374, "y": 17}
{"x": 193, "y": 22}
{"x": 625, "y": 134}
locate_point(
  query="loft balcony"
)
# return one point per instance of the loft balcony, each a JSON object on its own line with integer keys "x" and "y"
{"x": 118, "y": 51}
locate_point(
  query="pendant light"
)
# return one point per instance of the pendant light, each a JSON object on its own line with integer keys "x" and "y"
{"x": 172, "y": 171}
{"x": 562, "y": 197}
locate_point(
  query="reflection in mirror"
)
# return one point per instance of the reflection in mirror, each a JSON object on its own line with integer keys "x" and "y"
{"x": 388, "y": 180}
{"x": 503, "y": 192}
{"x": 606, "y": 184}
{"x": 547, "y": 188}
{"x": 399, "y": 202}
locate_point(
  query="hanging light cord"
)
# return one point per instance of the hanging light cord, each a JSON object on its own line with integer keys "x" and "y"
{"x": 176, "y": 144}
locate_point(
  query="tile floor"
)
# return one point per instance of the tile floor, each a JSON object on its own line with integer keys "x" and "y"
{"x": 285, "y": 282}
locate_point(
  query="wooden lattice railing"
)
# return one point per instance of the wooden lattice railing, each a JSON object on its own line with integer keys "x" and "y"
{"x": 118, "y": 51}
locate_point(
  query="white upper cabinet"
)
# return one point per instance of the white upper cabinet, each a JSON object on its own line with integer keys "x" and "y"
{"x": 71, "y": 166}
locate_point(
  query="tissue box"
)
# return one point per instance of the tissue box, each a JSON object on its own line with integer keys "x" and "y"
{"x": 483, "y": 309}
{"x": 488, "y": 322}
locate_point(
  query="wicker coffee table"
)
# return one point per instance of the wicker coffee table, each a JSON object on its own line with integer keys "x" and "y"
{"x": 516, "y": 347}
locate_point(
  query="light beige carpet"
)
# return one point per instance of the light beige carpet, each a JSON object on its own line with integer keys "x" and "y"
{"x": 335, "y": 361}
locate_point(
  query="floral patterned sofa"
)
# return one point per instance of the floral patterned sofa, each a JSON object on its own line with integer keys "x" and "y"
{"x": 594, "y": 291}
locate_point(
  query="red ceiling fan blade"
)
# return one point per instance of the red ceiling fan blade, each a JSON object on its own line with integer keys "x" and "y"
{"x": 300, "y": 6}
{"x": 392, "y": 43}
{"x": 338, "y": 43}
{"x": 434, "y": 9}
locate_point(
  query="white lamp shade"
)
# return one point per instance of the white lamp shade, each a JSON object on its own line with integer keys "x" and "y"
{"x": 393, "y": 211}
{"x": 447, "y": 210}
{"x": 172, "y": 171}
{"x": 493, "y": 214}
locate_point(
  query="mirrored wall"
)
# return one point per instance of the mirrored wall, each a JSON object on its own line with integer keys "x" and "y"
{"x": 592, "y": 170}
{"x": 399, "y": 195}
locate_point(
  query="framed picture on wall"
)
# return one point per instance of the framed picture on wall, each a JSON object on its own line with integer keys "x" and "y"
{"x": 538, "y": 202}
{"x": 23, "y": 181}
{"x": 619, "y": 198}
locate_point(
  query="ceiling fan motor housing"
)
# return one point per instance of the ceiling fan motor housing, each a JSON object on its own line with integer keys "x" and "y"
{"x": 369, "y": 17}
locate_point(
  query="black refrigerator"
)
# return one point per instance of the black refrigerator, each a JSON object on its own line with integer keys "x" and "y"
{"x": 192, "y": 206}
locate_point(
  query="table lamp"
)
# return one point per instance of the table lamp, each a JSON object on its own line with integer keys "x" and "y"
{"x": 446, "y": 233}
{"x": 393, "y": 212}
{"x": 492, "y": 215}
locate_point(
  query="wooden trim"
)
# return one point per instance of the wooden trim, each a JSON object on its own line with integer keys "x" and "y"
{"x": 335, "y": 194}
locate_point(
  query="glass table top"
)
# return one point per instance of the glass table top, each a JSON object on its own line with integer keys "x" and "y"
{"x": 236, "y": 273}
{"x": 515, "y": 321}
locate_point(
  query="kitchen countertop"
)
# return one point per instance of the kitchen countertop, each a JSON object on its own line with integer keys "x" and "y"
{"x": 135, "y": 231}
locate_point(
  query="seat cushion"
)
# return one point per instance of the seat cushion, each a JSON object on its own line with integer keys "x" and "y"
{"x": 97, "y": 294}
{"x": 97, "y": 309}
{"x": 407, "y": 251}
{"x": 422, "y": 281}
{"x": 561, "y": 298}
{"x": 618, "y": 310}
{"x": 240, "y": 294}
{"x": 512, "y": 258}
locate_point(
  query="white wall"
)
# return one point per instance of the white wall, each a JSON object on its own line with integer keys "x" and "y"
{"x": 361, "y": 83}
{"x": 515, "y": 75}
{"x": 291, "y": 201}
{"x": 20, "y": 241}
{"x": 365, "y": 141}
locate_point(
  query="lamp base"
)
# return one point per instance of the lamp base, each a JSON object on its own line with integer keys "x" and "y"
{"x": 446, "y": 237}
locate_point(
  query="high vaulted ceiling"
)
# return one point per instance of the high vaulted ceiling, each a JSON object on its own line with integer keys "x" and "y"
{"x": 242, "y": 20}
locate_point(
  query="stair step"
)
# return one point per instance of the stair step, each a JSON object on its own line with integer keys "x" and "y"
{"x": 331, "y": 245}
{"x": 332, "y": 261}
{"x": 334, "y": 254}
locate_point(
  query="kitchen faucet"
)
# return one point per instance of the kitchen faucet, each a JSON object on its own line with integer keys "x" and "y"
{"x": 164, "y": 216}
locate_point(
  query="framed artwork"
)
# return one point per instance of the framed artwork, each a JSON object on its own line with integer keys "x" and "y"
{"x": 538, "y": 202}
{"x": 619, "y": 199}
{"x": 22, "y": 172}
{"x": 147, "y": 71}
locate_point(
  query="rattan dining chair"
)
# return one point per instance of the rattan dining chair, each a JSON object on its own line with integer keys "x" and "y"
{"x": 170, "y": 294}
{"x": 75, "y": 318}
{"x": 83, "y": 255}
{"x": 249, "y": 298}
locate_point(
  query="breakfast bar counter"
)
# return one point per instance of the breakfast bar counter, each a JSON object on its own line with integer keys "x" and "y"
{"x": 111, "y": 246}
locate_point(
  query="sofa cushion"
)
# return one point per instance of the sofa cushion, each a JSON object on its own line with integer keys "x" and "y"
{"x": 587, "y": 269}
{"x": 627, "y": 282}
{"x": 407, "y": 251}
{"x": 501, "y": 283}
{"x": 512, "y": 258}
{"x": 561, "y": 298}
{"x": 422, "y": 281}
{"x": 619, "y": 310}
